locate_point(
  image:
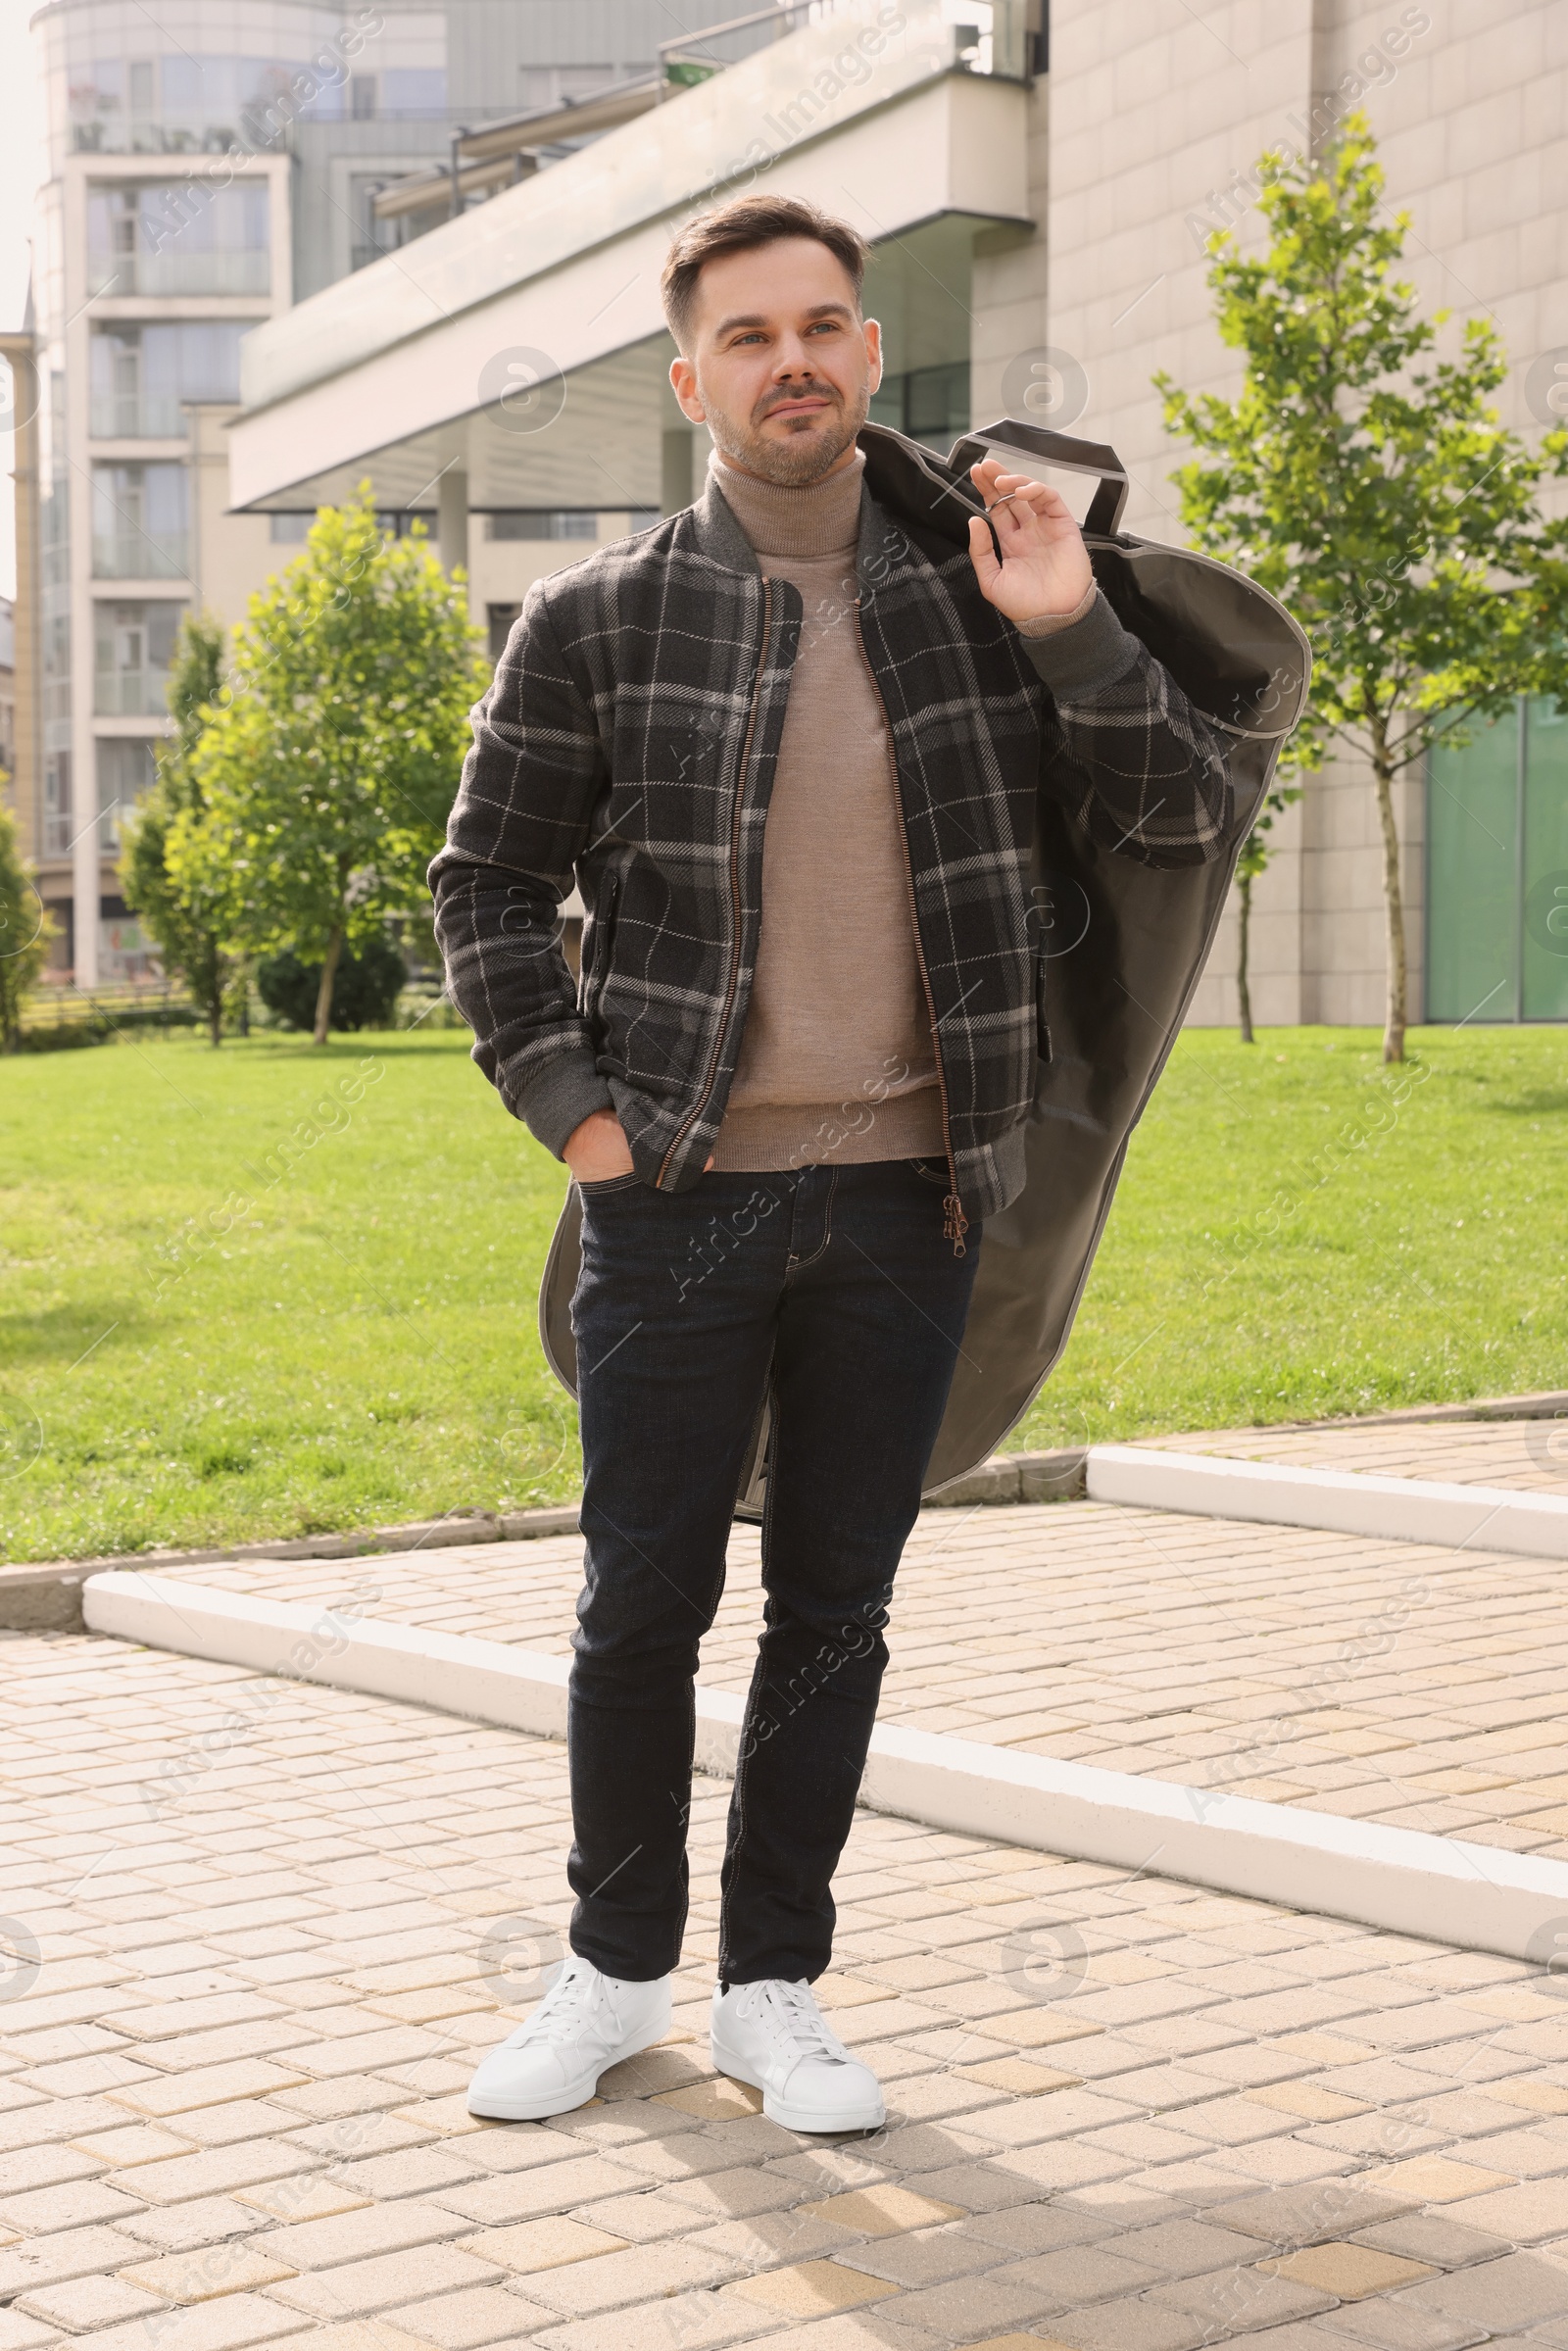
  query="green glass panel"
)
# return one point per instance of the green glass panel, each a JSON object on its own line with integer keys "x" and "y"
{"x": 1472, "y": 875}
{"x": 1545, "y": 944}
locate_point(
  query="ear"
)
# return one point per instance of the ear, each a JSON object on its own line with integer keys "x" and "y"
{"x": 873, "y": 351}
{"x": 683, "y": 383}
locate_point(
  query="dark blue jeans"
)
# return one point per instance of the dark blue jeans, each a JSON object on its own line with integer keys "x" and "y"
{"x": 833, "y": 1290}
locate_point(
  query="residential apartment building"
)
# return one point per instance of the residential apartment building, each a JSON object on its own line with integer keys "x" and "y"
{"x": 212, "y": 163}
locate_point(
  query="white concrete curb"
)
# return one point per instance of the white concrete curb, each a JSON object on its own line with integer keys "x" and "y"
{"x": 1493, "y": 1518}
{"x": 1436, "y": 1887}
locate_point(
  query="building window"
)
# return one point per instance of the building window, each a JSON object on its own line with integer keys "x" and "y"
{"x": 143, "y": 376}
{"x": 178, "y": 237}
{"x": 126, "y": 768}
{"x": 58, "y": 813}
{"x": 133, "y": 646}
{"x": 183, "y": 104}
{"x": 519, "y": 524}
{"x": 1498, "y": 870}
{"x": 56, "y": 662}
{"x": 414, "y": 92}
{"x": 290, "y": 530}
{"x": 139, "y": 522}
{"x": 500, "y": 618}
{"x": 929, "y": 403}
{"x": 125, "y": 950}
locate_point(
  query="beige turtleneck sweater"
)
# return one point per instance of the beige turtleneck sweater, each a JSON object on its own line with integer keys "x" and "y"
{"x": 836, "y": 1060}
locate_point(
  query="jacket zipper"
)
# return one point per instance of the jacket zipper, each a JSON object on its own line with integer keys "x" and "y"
{"x": 734, "y": 888}
{"x": 954, "y": 1223}
{"x": 604, "y": 947}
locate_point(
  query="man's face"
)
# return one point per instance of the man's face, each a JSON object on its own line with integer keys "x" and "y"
{"x": 782, "y": 367}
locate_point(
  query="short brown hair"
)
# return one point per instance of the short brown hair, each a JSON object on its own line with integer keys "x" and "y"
{"x": 740, "y": 228}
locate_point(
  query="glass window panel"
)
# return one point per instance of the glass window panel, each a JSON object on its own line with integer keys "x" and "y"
{"x": 160, "y": 237}
{"x": 57, "y": 803}
{"x": 142, "y": 375}
{"x": 1472, "y": 807}
{"x": 126, "y": 768}
{"x": 184, "y": 103}
{"x": 139, "y": 521}
{"x": 186, "y": 84}
{"x": 500, "y": 619}
{"x": 1546, "y": 877}
{"x": 415, "y": 91}
{"x": 517, "y": 523}
{"x": 134, "y": 645}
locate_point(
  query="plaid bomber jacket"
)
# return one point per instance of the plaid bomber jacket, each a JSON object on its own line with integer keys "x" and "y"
{"x": 630, "y": 741}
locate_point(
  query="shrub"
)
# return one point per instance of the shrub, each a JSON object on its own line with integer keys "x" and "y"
{"x": 364, "y": 993}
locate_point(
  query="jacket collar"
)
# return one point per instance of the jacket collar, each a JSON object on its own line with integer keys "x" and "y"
{"x": 719, "y": 535}
{"x": 906, "y": 481}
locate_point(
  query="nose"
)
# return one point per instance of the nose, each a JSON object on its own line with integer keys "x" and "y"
{"x": 792, "y": 362}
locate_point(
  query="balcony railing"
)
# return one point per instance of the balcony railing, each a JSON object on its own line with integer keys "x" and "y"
{"x": 137, "y": 417}
{"x": 142, "y": 554}
{"x": 987, "y": 36}
{"x": 256, "y": 128}
{"x": 131, "y": 693}
{"x": 178, "y": 272}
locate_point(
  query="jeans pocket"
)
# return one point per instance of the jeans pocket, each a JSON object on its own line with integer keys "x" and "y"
{"x": 603, "y": 1186}
{"x": 927, "y": 1172}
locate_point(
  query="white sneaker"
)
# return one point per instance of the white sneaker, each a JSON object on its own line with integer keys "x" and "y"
{"x": 773, "y": 2035}
{"x": 585, "y": 2023}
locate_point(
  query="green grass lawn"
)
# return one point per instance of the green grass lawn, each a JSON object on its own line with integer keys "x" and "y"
{"x": 214, "y": 1333}
{"x": 1292, "y": 1240}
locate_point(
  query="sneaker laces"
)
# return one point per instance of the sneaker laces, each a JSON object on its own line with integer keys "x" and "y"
{"x": 790, "y": 2013}
{"x": 572, "y": 2000}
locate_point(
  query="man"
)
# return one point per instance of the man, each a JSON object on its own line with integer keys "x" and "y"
{"x": 792, "y": 754}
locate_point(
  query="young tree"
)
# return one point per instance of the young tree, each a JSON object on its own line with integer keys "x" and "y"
{"x": 332, "y": 757}
{"x": 189, "y": 918}
{"x": 1372, "y": 489}
{"x": 27, "y": 928}
{"x": 1256, "y": 851}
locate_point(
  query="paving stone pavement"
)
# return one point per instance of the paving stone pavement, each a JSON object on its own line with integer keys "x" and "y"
{"x": 1530, "y": 1453}
{"x": 1388, "y": 1681}
{"x": 1125, "y": 2115}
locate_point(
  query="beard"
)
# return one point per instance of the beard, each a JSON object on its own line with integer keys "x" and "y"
{"x": 806, "y": 454}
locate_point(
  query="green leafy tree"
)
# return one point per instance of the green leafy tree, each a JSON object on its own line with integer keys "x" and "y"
{"x": 1370, "y": 487}
{"x": 1256, "y": 853}
{"x": 331, "y": 760}
{"x": 27, "y": 929}
{"x": 188, "y": 916}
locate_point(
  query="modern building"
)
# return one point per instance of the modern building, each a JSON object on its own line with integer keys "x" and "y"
{"x": 208, "y": 166}
{"x": 1038, "y": 208}
{"x": 1155, "y": 120}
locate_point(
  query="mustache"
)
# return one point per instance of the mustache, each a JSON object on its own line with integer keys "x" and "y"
{"x": 814, "y": 390}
